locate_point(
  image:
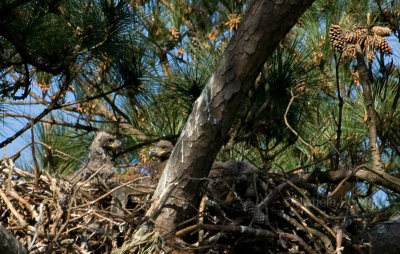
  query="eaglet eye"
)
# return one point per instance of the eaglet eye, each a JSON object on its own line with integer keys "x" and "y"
{"x": 110, "y": 140}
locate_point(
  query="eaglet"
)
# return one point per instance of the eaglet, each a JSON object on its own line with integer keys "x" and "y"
{"x": 161, "y": 152}
{"x": 99, "y": 158}
{"x": 234, "y": 184}
{"x": 225, "y": 178}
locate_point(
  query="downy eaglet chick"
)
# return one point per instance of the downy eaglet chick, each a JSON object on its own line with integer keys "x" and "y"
{"x": 161, "y": 151}
{"x": 235, "y": 175}
{"x": 99, "y": 156}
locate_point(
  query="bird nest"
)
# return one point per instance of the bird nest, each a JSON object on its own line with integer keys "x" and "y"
{"x": 267, "y": 216}
{"x": 51, "y": 213}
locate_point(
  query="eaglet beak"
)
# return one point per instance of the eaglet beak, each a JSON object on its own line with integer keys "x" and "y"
{"x": 155, "y": 152}
{"x": 115, "y": 144}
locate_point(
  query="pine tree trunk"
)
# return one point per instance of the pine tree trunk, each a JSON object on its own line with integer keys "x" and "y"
{"x": 265, "y": 24}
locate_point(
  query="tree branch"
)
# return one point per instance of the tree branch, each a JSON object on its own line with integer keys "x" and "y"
{"x": 365, "y": 81}
{"x": 214, "y": 112}
{"x": 53, "y": 105}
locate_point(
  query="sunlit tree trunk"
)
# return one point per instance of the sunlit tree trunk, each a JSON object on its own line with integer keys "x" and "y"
{"x": 265, "y": 24}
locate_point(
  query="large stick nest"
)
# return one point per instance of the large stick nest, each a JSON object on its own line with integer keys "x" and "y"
{"x": 252, "y": 214}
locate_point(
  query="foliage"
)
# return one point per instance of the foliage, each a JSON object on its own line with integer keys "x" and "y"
{"x": 135, "y": 68}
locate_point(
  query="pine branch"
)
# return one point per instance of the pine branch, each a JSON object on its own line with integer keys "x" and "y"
{"x": 53, "y": 105}
{"x": 366, "y": 83}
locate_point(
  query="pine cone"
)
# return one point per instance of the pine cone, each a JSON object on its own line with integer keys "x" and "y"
{"x": 357, "y": 27}
{"x": 349, "y": 52}
{"x": 335, "y": 33}
{"x": 381, "y": 31}
{"x": 360, "y": 32}
{"x": 338, "y": 45}
{"x": 370, "y": 55}
{"x": 383, "y": 45}
{"x": 351, "y": 37}
{"x": 336, "y": 37}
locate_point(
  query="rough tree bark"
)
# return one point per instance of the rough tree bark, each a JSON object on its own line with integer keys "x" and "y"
{"x": 265, "y": 24}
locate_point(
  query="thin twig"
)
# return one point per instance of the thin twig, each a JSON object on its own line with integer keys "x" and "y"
{"x": 288, "y": 125}
{"x": 53, "y": 105}
{"x": 21, "y": 220}
{"x": 37, "y": 169}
